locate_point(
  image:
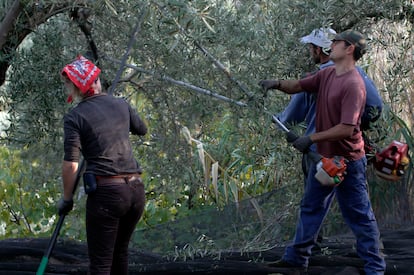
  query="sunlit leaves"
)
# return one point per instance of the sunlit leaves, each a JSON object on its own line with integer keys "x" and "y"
{"x": 23, "y": 197}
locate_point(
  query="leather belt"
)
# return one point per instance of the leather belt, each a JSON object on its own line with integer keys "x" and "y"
{"x": 120, "y": 179}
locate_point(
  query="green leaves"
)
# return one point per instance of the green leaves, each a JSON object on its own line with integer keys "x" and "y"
{"x": 24, "y": 208}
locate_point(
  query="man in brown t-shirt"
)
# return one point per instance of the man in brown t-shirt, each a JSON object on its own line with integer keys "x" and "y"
{"x": 340, "y": 103}
{"x": 339, "y": 110}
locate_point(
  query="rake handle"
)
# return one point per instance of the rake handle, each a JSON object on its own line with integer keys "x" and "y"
{"x": 43, "y": 264}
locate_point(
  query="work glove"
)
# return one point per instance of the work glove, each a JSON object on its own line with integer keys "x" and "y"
{"x": 302, "y": 143}
{"x": 64, "y": 206}
{"x": 269, "y": 84}
{"x": 291, "y": 137}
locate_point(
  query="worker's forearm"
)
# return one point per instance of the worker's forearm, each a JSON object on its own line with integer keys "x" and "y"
{"x": 290, "y": 86}
{"x": 69, "y": 172}
{"x": 337, "y": 132}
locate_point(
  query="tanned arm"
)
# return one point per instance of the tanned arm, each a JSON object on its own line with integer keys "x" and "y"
{"x": 337, "y": 132}
{"x": 69, "y": 172}
{"x": 289, "y": 86}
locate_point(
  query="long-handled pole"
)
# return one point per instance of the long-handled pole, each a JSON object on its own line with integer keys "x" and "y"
{"x": 43, "y": 264}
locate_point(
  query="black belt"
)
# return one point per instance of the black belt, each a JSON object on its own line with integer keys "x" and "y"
{"x": 118, "y": 179}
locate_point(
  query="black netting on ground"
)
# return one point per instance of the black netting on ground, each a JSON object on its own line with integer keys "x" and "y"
{"x": 254, "y": 224}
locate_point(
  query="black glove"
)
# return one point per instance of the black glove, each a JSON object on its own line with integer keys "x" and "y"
{"x": 291, "y": 137}
{"x": 302, "y": 143}
{"x": 269, "y": 84}
{"x": 64, "y": 206}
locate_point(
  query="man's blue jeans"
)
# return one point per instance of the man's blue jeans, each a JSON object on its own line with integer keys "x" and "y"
{"x": 353, "y": 200}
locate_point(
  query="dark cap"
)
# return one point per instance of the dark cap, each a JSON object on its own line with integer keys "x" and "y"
{"x": 354, "y": 38}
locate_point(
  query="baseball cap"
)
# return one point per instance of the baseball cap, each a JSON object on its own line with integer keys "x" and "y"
{"x": 321, "y": 37}
{"x": 82, "y": 73}
{"x": 352, "y": 37}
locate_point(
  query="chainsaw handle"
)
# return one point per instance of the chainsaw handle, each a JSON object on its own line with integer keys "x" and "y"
{"x": 291, "y": 136}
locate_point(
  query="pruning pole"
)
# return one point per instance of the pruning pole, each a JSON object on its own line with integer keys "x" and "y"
{"x": 179, "y": 83}
{"x": 43, "y": 264}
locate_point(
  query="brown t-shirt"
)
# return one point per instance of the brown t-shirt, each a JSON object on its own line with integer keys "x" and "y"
{"x": 340, "y": 100}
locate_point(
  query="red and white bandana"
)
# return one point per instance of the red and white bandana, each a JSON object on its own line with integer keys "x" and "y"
{"x": 82, "y": 73}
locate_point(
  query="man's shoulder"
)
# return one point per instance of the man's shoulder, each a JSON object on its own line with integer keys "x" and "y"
{"x": 352, "y": 77}
{"x": 327, "y": 71}
{"x": 353, "y": 81}
{"x": 357, "y": 75}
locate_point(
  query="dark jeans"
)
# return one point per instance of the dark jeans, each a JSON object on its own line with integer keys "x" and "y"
{"x": 353, "y": 200}
{"x": 307, "y": 162}
{"x": 112, "y": 212}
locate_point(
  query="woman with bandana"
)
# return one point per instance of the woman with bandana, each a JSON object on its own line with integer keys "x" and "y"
{"x": 99, "y": 127}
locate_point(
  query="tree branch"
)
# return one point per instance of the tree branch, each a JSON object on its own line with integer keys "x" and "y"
{"x": 10, "y": 38}
{"x": 8, "y": 22}
{"x": 180, "y": 83}
{"x": 215, "y": 61}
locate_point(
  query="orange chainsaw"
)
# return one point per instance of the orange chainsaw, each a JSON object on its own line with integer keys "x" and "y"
{"x": 392, "y": 161}
{"x": 329, "y": 171}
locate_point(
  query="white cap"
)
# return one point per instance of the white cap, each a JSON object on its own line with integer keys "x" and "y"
{"x": 320, "y": 37}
